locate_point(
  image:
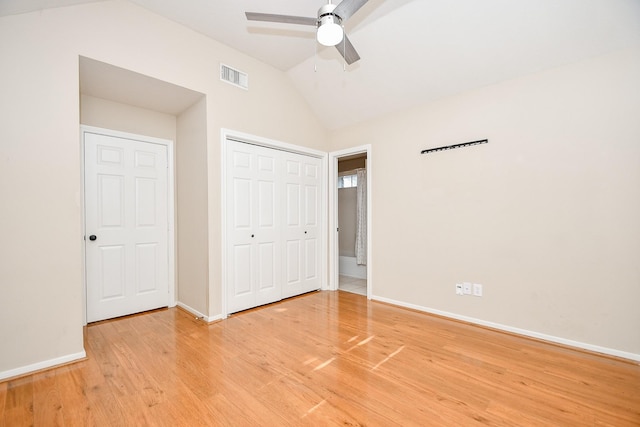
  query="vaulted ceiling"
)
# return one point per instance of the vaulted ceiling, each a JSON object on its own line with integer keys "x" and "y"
{"x": 413, "y": 51}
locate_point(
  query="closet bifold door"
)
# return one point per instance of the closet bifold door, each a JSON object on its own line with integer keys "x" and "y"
{"x": 254, "y": 242}
{"x": 302, "y": 188}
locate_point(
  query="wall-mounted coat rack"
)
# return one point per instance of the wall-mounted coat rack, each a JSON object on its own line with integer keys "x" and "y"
{"x": 451, "y": 147}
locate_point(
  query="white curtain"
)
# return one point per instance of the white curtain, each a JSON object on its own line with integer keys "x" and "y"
{"x": 361, "y": 219}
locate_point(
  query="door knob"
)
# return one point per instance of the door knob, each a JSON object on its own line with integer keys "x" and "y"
{"x": 93, "y": 237}
{"x": 252, "y": 235}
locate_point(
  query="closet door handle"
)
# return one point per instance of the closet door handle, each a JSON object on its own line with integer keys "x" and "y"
{"x": 305, "y": 232}
{"x": 252, "y": 235}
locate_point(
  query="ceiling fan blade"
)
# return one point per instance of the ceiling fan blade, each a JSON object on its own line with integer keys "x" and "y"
{"x": 287, "y": 19}
{"x": 347, "y": 51}
{"x": 346, "y": 8}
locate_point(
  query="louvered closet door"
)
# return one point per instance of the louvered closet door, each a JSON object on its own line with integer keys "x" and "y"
{"x": 302, "y": 191}
{"x": 253, "y": 235}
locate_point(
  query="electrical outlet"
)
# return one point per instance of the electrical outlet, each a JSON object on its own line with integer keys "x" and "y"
{"x": 467, "y": 288}
{"x": 477, "y": 289}
{"x": 459, "y": 289}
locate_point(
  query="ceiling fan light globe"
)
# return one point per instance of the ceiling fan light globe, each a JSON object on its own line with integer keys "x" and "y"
{"x": 330, "y": 33}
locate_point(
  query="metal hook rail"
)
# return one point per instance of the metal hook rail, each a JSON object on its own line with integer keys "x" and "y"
{"x": 451, "y": 147}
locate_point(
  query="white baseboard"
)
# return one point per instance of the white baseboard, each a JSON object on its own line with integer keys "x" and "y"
{"x": 348, "y": 266}
{"x": 208, "y": 319}
{"x": 545, "y": 337}
{"x": 212, "y": 319}
{"x": 34, "y": 367}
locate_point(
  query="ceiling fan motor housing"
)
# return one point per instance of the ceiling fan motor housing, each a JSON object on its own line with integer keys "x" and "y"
{"x": 330, "y": 31}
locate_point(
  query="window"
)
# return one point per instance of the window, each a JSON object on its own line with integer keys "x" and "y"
{"x": 348, "y": 181}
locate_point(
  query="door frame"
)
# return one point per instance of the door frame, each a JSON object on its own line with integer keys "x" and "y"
{"x": 84, "y": 129}
{"x": 229, "y": 134}
{"x": 334, "y": 250}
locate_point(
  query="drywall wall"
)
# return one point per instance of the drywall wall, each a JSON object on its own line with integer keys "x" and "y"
{"x": 113, "y": 115}
{"x": 192, "y": 211}
{"x": 41, "y": 274}
{"x": 545, "y": 216}
{"x": 41, "y": 294}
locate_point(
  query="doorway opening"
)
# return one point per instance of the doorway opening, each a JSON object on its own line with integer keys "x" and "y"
{"x": 350, "y": 195}
{"x": 352, "y": 238}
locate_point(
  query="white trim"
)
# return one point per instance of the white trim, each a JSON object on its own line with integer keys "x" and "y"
{"x": 196, "y": 313}
{"x": 223, "y": 223}
{"x": 228, "y": 134}
{"x": 324, "y": 225}
{"x": 171, "y": 300}
{"x": 524, "y": 332}
{"x": 269, "y": 143}
{"x": 334, "y": 250}
{"x": 83, "y": 227}
{"x": 211, "y": 319}
{"x": 45, "y": 364}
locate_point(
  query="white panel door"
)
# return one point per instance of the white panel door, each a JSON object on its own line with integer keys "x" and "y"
{"x": 302, "y": 254}
{"x": 253, "y": 230}
{"x": 126, "y": 209}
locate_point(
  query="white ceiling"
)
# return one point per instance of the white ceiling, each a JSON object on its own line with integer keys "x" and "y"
{"x": 413, "y": 51}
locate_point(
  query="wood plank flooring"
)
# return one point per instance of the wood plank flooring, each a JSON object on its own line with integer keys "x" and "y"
{"x": 326, "y": 358}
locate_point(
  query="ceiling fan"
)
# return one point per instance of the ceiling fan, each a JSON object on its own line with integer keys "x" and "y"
{"x": 329, "y": 23}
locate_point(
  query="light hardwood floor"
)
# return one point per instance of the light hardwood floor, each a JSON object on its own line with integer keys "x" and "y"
{"x": 326, "y": 358}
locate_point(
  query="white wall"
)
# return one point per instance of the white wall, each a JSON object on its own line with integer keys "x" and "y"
{"x": 546, "y": 216}
{"x": 41, "y": 276}
{"x": 108, "y": 114}
{"x": 193, "y": 213}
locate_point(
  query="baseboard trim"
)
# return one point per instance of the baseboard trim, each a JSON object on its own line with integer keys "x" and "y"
{"x": 41, "y": 366}
{"x": 544, "y": 337}
{"x": 199, "y": 316}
